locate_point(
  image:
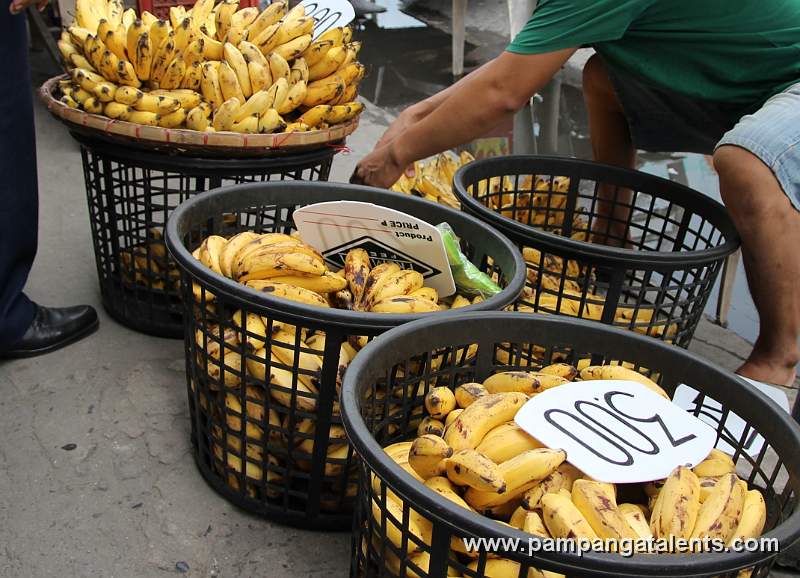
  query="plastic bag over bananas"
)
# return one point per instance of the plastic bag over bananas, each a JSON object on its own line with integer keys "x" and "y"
{"x": 211, "y": 67}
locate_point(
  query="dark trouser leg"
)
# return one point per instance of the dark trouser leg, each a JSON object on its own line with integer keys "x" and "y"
{"x": 18, "y": 186}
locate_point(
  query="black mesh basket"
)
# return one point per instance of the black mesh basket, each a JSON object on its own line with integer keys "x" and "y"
{"x": 298, "y": 468}
{"x": 402, "y": 362}
{"x": 131, "y": 193}
{"x": 675, "y": 240}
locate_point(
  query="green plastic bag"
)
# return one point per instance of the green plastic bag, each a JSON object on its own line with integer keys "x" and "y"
{"x": 468, "y": 278}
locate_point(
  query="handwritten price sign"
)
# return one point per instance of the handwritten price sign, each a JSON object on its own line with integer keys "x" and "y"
{"x": 617, "y": 431}
{"x": 329, "y": 14}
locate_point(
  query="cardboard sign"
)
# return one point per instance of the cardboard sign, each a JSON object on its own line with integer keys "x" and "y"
{"x": 329, "y": 14}
{"x": 733, "y": 427}
{"x": 616, "y": 431}
{"x": 336, "y": 227}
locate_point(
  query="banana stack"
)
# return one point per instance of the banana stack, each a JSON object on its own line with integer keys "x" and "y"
{"x": 210, "y": 68}
{"x": 469, "y": 450}
{"x": 148, "y": 265}
{"x": 432, "y": 178}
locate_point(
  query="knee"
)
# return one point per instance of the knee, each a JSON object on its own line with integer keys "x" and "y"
{"x": 744, "y": 183}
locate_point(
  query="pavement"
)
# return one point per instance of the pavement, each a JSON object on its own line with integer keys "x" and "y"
{"x": 96, "y": 475}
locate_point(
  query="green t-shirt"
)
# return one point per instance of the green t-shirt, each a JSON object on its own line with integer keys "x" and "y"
{"x": 738, "y": 52}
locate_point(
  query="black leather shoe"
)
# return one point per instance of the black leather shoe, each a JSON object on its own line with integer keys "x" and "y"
{"x": 54, "y": 328}
{"x": 364, "y": 7}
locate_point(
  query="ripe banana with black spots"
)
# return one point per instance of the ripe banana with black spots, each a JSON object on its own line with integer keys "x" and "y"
{"x": 519, "y": 381}
{"x": 431, "y": 426}
{"x": 636, "y": 516}
{"x": 326, "y": 283}
{"x": 467, "y": 393}
{"x": 224, "y": 115}
{"x": 229, "y": 83}
{"x": 563, "y": 519}
{"x": 269, "y": 16}
{"x": 375, "y": 279}
{"x": 753, "y": 518}
{"x": 404, "y": 304}
{"x": 210, "y": 86}
{"x": 399, "y": 283}
{"x": 235, "y": 59}
{"x": 356, "y": 269}
{"x": 677, "y": 505}
{"x": 600, "y": 510}
{"x": 289, "y": 292}
{"x": 270, "y": 122}
{"x": 474, "y": 470}
{"x": 720, "y": 514}
{"x": 428, "y": 455}
{"x": 439, "y": 402}
{"x": 486, "y": 413}
{"x": 716, "y": 464}
{"x": 520, "y": 473}
{"x": 561, "y": 479}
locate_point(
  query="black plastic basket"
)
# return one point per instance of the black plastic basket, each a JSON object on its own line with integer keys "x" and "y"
{"x": 401, "y": 362}
{"x": 676, "y": 240}
{"x": 132, "y": 191}
{"x": 301, "y": 474}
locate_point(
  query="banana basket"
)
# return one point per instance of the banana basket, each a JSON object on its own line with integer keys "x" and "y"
{"x": 411, "y": 519}
{"x": 182, "y": 141}
{"x": 604, "y": 243}
{"x": 264, "y": 372}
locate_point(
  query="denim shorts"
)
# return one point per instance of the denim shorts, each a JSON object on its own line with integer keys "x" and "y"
{"x": 662, "y": 120}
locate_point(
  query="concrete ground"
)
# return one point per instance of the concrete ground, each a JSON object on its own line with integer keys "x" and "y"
{"x": 96, "y": 475}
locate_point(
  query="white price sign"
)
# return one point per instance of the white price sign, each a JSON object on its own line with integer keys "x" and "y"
{"x": 336, "y": 227}
{"x": 616, "y": 431}
{"x": 732, "y": 427}
{"x": 329, "y": 14}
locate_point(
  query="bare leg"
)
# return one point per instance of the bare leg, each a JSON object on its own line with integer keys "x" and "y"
{"x": 611, "y": 144}
{"x": 770, "y": 229}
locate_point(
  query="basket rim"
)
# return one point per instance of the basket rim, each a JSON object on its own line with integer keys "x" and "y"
{"x": 458, "y": 519}
{"x": 718, "y": 216}
{"x": 353, "y": 320}
{"x": 183, "y": 138}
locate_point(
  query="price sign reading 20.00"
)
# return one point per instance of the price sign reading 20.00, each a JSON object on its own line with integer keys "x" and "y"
{"x": 617, "y": 431}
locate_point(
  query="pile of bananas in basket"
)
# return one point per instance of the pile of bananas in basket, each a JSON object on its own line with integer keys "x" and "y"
{"x": 469, "y": 450}
{"x": 432, "y": 178}
{"x": 286, "y": 267}
{"x": 148, "y": 265}
{"x": 210, "y": 68}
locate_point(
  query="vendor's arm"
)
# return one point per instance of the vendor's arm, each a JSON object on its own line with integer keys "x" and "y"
{"x": 473, "y": 107}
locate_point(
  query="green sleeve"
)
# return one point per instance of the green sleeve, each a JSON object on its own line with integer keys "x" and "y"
{"x": 559, "y": 24}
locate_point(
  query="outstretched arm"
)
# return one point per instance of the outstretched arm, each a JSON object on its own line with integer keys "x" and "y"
{"x": 473, "y": 106}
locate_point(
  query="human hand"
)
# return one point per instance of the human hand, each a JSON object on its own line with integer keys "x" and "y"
{"x": 379, "y": 168}
{"x": 18, "y": 6}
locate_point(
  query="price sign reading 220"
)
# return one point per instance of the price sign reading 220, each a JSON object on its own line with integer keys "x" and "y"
{"x": 617, "y": 431}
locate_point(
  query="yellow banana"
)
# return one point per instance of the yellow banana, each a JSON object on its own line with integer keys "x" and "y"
{"x": 440, "y": 401}
{"x": 316, "y": 51}
{"x": 229, "y": 83}
{"x": 240, "y": 23}
{"x": 255, "y": 105}
{"x": 486, "y": 413}
{"x": 332, "y": 60}
{"x": 753, "y": 518}
{"x": 323, "y": 92}
{"x": 292, "y": 28}
{"x": 278, "y": 67}
{"x": 223, "y": 17}
{"x": 293, "y": 48}
{"x": 93, "y": 105}
{"x": 716, "y": 464}
{"x": 290, "y": 292}
{"x": 69, "y": 101}
{"x": 231, "y": 248}
{"x": 431, "y": 426}
{"x": 176, "y": 15}
{"x": 347, "y": 34}
{"x": 260, "y": 78}
{"x": 352, "y": 73}
{"x": 678, "y": 503}
{"x": 404, "y": 304}
{"x": 473, "y": 469}
{"x": 143, "y": 117}
{"x": 251, "y": 53}
{"x": 132, "y": 37}
{"x": 201, "y": 10}
{"x": 636, "y": 517}
{"x": 278, "y": 93}
{"x": 521, "y": 381}
{"x": 444, "y": 487}
{"x": 270, "y": 122}
{"x": 561, "y": 479}
{"x": 128, "y": 95}
{"x": 356, "y": 269}
{"x": 520, "y": 474}
{"x": 184, "y": 34}
{"x": 157, "y": 104}
{"x": 451, "y": 417}
{"x": 298, "y": 71}
{"x": 349, "y": 95}
{"x": 599, "y": 508}
{"x": 253, "y": 329}
{"x": 212, "y": 48}
{"x": 172, "y": 119}
{"x": 193, "y": 53}
{"x": 719, "y": 515}
{"x": 315, "y": 116}
{"x": 467, "y": 393}
{"x": 129, "y": 17}
{"x": 79, "y": 61}
{"x": 343, "y": 112}
{"x": 281, "y": 382}
{"x": 294, "y": 98}
{"x": 334, "y": 35}
{"x": 564, "y": 370}
{"x": 269, "y": 16}
{"x": 193, "y": 77}
{"x": 105, "y": 91}
{"x": 428, "y": 455}
{"x": 563, "y": 519}
{"x": 376, "y": 278}
{"x": 173, "y": 76}
{"x": 160, "y": 31}
{"x": 399, "y": 283}
{"x": 619, "y": 372}
{"x": 266, "y": 39}
{"x": 505, "y": 441}
{"x": 326, "y": 283}
{"x": 309, "y": 365}
{"x": 126, "y": 74}
{"x": 224, "y": 115}
{"x": 142, "y": 56}
{"x": 116, "y": 41}
{"x": 162, "y": 58}
{"x": 238, "y": 64}
{"x": 210, "y": 86}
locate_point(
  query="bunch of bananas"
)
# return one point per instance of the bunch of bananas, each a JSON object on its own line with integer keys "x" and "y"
{"x": 210, "y": 68}
{"x": 469, "y": 450}
{"x": 148, "y": 265}
{"x": 432, "y": 178}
